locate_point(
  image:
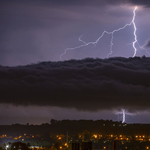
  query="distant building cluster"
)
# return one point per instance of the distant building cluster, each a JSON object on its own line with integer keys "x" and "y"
{"x": 76, "y": 135}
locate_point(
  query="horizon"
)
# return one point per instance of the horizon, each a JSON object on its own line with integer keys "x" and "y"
{"x": 44, "y": 123}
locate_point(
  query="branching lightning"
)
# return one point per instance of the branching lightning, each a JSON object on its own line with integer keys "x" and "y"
{"x": 84, "y": 44}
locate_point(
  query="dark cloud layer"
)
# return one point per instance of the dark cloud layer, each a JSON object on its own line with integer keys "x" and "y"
{"x": 89, "y": 84}
{"x": 140, "y": 2}
{"x": 80, "y": 2}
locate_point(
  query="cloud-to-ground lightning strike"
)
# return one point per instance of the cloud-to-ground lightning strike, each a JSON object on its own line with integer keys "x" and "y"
{"x": 112, "y": 37}
{"x": 124, "y": 113}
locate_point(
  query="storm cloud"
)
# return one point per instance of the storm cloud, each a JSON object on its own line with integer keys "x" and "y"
{"x": 139, "y": 2}
{"x": 88, "y": 84}
{"x": 77, "y": 2}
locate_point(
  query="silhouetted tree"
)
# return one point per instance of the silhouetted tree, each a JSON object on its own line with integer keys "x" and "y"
{"x": 53, "y": 121}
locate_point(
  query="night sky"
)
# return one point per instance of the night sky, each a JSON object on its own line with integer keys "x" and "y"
{"x": 36, "y": 86}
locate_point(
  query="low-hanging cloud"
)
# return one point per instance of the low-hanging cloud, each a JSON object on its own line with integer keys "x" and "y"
{"x": 88, "y": 84}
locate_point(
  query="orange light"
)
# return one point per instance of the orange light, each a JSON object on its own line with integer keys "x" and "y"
{"x": 141, "y": 139}
{"x": 95, "y": 136}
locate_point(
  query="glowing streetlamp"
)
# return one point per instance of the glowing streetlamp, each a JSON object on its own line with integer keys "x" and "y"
{"x": 7, "y": 146}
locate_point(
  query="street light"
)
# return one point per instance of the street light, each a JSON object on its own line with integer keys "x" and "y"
{"x": 7, "y": 146}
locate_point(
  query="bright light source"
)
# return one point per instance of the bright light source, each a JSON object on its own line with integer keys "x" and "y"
{"x": 95, "y": 136}
{"x": 7, "y": 146}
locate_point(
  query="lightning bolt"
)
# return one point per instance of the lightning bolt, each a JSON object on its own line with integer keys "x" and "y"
{"x": 84, "y": 44}
{"x": 123, "y": 112}
{"x": 123, "y": 115}
{"x": 135, "y": 29}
